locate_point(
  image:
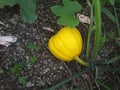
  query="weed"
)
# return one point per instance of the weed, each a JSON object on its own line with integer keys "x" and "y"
{"x": 18, "y": 67}
{"x": 31, "y": 46}
{"x": 33, "y": 59}
{"x": 113, "y": 17}
{"x": 111, "y": 35}
{"x": 22, "y": 80}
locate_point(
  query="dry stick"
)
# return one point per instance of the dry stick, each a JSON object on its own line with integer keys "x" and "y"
{"x": 67, "y": 68}
{"x": 3, "y": 24}
{"x": 97, "y": 85}
{"x": 48, "y": 29}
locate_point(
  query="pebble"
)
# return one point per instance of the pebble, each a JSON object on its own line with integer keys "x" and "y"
{"x": 29, "y": 84}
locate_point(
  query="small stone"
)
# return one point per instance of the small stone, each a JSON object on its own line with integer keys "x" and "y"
{"x": 2, "y": 88}
{"x": 46, "y": 70}
{"x": 40, "y": 83}
{"x": 29, "y": 84}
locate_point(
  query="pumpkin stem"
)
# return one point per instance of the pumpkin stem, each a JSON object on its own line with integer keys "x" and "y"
{"x": 81, "y": 61}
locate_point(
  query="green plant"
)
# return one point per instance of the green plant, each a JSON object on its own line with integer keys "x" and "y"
{"x": 112, "y": 60}
{"x": 71, "y": 78}
{"x": 96, "y": 29}
{"x": 22, "y": 80}
{"x": 111, "y": 35}
{"x": 112, "y": 14}
{"x": 31, "y": 46}
{"x": 27, "y": 8}
{"x": 32, "y": 59}
{"x": 113, "y": 17}
{"x": 66, "y": 13}
{"x": 118, "y": 1}
{"x": 18, "y": 67}
{"x": 90, "y": 29}
{"x": 118, "y": 42}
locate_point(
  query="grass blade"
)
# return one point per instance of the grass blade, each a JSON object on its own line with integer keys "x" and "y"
{"x": 96, "y": 72}
{"x": 107, "y": 68}
{"x": 109, "y": 14}
{"x": 70, "y": 78}
{"x": 103, "y": 85}
{"x": 89, "y": 32}
{"x": 117, "y": 22}
{"x": 116, "y": 58}
{"x": 112, "y": 17}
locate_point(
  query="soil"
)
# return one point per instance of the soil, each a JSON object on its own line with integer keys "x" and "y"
{"x": 46, "y": 71}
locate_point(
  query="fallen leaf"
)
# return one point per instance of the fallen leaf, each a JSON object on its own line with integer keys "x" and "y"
{"x": 83, "y": 18}
{"x": 7, "y": 40}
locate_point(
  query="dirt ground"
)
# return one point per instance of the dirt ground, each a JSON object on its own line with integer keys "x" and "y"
{"x": 47, "y": 70}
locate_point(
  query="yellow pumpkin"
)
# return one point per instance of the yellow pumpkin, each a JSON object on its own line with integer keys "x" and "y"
{"x": 66, "y": 45}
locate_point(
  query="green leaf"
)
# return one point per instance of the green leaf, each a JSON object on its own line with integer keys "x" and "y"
{"x": 118, "y": 1}
{"x": 16, "y": 69}
{"x": 23, "y": 64}
{"x": 67, "y": 12}
{"x": 112, "y": 60}
{"x": 28, "y": 10}
{"x": 116, "y": 58}
{"x": 118, "y": 42}
{"x": 33, "y": 59}
{"x": 112, "y": 2}
{"x": 103, "y": 85}
{"x": 22, "y": 80}
{"x": 96, "y": 72}
{"x": 69, "y": 20}
{"x": 31, "y": 46}
{"x": 7, "y": 2}
{"x": 71, "y": 6}
{"x": 111, "y": 35}
{"x": 59, "y": 10}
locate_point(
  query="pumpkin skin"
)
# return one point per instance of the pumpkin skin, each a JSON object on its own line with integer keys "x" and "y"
{"x": 66, "y": 44}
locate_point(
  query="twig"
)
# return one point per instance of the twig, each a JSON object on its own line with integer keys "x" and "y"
{"x": 3, "y": 24}
{"x": 48, "y": 29}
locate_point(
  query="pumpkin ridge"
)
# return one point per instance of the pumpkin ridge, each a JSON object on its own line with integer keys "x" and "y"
{"x": 68, "y": 50}
{"x": 71, "y": 38}
{"x": 67, "y": 56}
{"x": 50, "y": 46}
{"x": 78, "y": 38}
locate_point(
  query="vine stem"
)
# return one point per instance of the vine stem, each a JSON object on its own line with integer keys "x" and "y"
{"x": 80, "y": 61}
{"x": 98, "y": 29}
